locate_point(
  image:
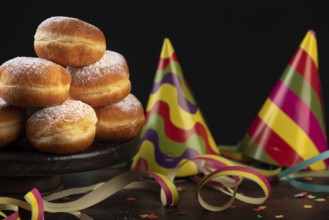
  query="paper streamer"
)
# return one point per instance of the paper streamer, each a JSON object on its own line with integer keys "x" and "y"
{"x": 14, "y": 216}
{"x": 236, "y": 171}
{"x": 175, "y": 130}
{"x": 112, "y": 186}
{"x": 96, "y": 194}
{"x": 270, "y": 174}
{"x": 223, "y": 175}
{"x": 233, "y": 152}
{"x": 34, "y": 204}
{"x": 35, "y": 200}
{"x": 290, "y": 173}
{"x": 290, "y": 127}
{"x": 239, "y": 172}
{"x": 226, "y": 177}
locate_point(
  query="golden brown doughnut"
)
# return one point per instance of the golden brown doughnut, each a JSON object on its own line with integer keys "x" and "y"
{"x": 12, "y": 123}
{"x": 69, "y": 41}
{"x": 102, "y": 83}
{"x": 33, "y": 82}
{"x": 120, "y": 121}
{"x": 63, "y": 129}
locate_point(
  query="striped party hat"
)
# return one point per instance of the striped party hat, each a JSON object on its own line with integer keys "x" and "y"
{"x": 175, "y": 130}
{"x": 290, "y": 126}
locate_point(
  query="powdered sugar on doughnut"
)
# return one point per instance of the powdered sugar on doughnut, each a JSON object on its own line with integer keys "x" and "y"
{"x": 20, "y": 65}
{"x": 69, "y": 111}
{"x": 62, "y": 19}
{"x": 111, "y": 63}
{"x": 128, "y": 104}
{"x": 56, "y": 19}
{"x": 3, "y": 103}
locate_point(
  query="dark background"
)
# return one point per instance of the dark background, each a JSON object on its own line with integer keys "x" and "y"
{"x": 232, "y": 54}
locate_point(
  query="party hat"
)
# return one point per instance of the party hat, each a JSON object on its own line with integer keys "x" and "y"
{"x": 290, "y": 126}
{"x": 175, "y": 130}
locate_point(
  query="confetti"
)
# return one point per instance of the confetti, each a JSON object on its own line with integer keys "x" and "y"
{"x": 149, "y": 216}
{"x": 152, "y": 216}
{"x": 311, "y": 196}
{"x": 131, "y": 198}
{"x": 320, "y": 200}
{"x": 233, "y": 206}
{"x": 301, "y": 195}
{"x": 259, "y": 216}
{"x": 279, "y": 216}
{"x": 181, "y": 188}
{"x": 259, "y": 208}
{"x": 308, "y": 206}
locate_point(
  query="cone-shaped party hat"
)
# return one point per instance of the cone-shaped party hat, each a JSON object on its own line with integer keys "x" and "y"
{"x": 174, "y": 130}
{"x": 290, "y": 126}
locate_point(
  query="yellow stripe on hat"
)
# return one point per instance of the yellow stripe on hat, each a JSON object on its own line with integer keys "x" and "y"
{"x": 147, "y": 153}
{"x": 309, "y": 45}
{"x": 167, "y": 49}
{"x": 178, "y": 116}
{"x": 290, "y": 132}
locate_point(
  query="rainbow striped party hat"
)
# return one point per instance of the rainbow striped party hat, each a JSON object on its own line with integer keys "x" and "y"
{"x": 290, "y": 126}
{"x": 175, "y": 130}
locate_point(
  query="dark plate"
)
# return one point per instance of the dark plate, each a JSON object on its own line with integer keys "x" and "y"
{"x": 22, "y": 160}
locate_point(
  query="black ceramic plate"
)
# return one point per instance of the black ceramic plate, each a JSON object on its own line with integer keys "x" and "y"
{"x": 22, "y": 160}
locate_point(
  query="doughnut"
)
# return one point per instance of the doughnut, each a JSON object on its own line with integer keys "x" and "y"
{"x": 63, "y": 129}
{"x": 69, "y": 41}
{"x": 102, "y": 83}
{"x": 12, "y": 123}
{"x": 120, "y": 121}
{"x": 33, "y": 82}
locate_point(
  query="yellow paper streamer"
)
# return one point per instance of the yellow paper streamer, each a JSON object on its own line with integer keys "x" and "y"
{"x": 168, "y": 192}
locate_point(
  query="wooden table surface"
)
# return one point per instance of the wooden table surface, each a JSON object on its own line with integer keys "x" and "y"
{"x": 282, "y": 204}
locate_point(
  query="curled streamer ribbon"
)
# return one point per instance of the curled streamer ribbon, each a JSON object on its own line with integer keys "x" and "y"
{"x": 295, "y": 172}
{"x": 14, "y": 216}
{"x": 219, "y": 161}
{"x": 220, "y": 172}
{"x": 95, "y": 194}
{"x": 234, "y": 171}
{"x": 34, "y": 204}
{"x": 299, "y": 170}
{"x": 225, "y": 176}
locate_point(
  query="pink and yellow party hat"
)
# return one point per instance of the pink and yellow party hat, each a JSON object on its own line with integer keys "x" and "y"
{"x": 290, "y": 127}
{"x": 175, "y": 130}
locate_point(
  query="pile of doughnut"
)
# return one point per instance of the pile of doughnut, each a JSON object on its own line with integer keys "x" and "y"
{"x": 74, "y": 92}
